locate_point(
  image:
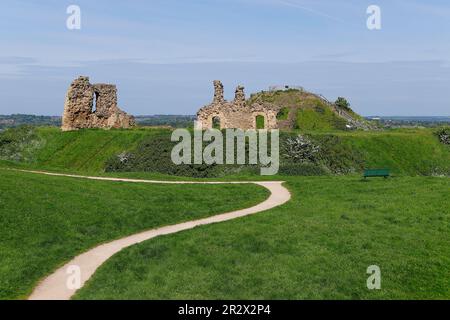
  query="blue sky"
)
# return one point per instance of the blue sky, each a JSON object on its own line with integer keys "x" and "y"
{"x": 164, "y": 55}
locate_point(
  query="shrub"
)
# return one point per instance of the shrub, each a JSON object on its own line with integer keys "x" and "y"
{"x": 300, "y": 149}
{"x": 154, "y": 155}
{"x": 304, "y": 169}
{"x": 283, "y": 114}
{"x": 19, "y": 144}
{"x": 337, "y": 156}
{"x": 444, "y": 135}
{"x": 318, "y": 155}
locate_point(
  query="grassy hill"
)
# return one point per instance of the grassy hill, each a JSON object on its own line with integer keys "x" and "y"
{"x": 306, "y": 111}
{"x": 405, "y": 152}
{"x": 84, "y": 150}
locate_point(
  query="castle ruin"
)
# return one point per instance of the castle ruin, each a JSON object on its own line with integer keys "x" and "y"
{"x": 237, "y": 113}
{"x": 79, "y": 104}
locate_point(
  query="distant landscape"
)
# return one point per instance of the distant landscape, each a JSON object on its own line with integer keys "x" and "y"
{"x": 183, "y": 121}
{"x": 14, "y": 120}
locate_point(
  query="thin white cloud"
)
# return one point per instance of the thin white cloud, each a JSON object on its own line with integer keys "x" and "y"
{"x": 297, "y": 5}
{"x": 300, "y": 5}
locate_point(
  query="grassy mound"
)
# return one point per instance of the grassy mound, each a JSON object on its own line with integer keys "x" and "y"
{"x": 291, "y": 98}
{"x": 45, "y": 221}
{"x": 315, "y": 115}
{"x": 303, "y": 110}
{"x": 83, "y": 150}
{"x": 405, "y": 152}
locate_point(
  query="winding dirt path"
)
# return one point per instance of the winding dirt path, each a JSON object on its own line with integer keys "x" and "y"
{"x": 57, "y": 285}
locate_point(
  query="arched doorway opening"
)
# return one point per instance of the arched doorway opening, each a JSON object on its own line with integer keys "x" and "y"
{"x": 260, "y": 122}
{"x": 216, "y": 123}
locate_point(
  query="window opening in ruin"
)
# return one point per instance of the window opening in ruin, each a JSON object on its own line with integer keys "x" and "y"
{"x": 94, "y": 105}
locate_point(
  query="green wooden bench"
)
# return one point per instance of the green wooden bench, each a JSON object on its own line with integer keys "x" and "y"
{"x": 385, "y": 173}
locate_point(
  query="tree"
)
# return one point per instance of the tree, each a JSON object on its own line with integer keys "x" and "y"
{"x": 342, "y": 103}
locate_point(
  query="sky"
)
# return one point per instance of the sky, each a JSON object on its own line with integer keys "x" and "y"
{"x": 164, "y": 54}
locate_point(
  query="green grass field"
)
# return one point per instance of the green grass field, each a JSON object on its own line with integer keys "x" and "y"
{"x": 318, "y": 246}
{"x": 45, "y": 221}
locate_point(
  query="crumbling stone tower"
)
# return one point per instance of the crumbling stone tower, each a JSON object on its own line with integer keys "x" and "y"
{"x": 239, "y": 96}
{"x": 218, "y": 92}
{"x": 236, "y": 114}
{"x": 78, "y": 113}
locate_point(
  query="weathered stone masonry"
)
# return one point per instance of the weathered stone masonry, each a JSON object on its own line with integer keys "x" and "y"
{"x": 236, "y": 114}
{"x": 78, "y": 113}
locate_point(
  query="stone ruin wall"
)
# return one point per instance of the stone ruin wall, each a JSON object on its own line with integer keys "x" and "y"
{"x": 236, "y": 114}
{"x": 78, "y": 113}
